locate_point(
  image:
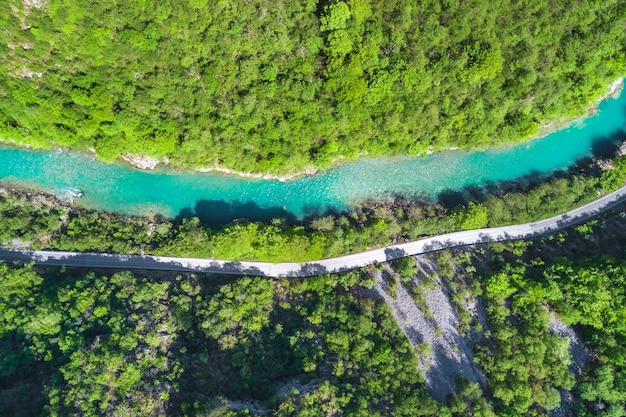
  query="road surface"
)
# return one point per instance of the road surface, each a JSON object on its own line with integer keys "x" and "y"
{"x": 331, "y": 265}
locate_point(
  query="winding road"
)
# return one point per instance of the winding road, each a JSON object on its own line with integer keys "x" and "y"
{"x": 331, "y": 265}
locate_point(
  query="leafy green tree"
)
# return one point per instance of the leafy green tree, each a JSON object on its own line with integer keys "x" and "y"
{"x": 474, "y": 216}
{"x": 405, "y": 267}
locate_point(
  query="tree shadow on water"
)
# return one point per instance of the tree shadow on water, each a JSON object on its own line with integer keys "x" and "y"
{"x": 218, "y": 213}
{"x": 311, "y": 212}
{"x": 603, "y": 147}
{"x": 607, "y": 146}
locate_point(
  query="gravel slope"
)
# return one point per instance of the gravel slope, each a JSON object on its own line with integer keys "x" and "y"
{"x": 451, "y": 355}
{"x": 579, "y": 354}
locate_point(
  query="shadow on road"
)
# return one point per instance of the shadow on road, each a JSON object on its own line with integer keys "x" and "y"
{"x": 394, "y": 253}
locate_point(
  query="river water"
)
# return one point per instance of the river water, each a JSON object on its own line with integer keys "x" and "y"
{"x": 220, "y": 198}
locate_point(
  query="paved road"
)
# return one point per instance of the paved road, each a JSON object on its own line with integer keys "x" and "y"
{"x": 343, "y": 263}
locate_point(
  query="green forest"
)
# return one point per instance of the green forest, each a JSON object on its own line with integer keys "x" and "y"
{"x": 92, "y": 342}
{"x": 281, "y": 86}
{"x": 287, "y": 87}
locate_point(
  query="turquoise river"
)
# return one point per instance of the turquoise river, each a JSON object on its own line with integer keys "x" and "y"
{"x": 220, "y": 198}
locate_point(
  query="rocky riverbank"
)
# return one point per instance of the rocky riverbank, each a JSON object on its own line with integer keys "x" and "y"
{"x": 144, "y": 162}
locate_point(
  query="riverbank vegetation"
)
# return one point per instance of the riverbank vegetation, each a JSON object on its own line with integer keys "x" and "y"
{"x": 40, "y": 222}
{"x": 277, "y": 87}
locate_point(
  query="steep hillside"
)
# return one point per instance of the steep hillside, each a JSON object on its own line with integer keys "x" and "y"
{"x": 280, "y": 85}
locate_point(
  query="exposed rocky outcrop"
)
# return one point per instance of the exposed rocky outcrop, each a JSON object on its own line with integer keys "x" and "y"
{"x": 141, "y": 161}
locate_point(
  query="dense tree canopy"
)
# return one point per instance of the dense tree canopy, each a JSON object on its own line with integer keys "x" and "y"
{"x": 526, "y": 359}
{"x": 281, "y": 85}
{"x": 76, "y": 342}
{"x": 84, "y": 344}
